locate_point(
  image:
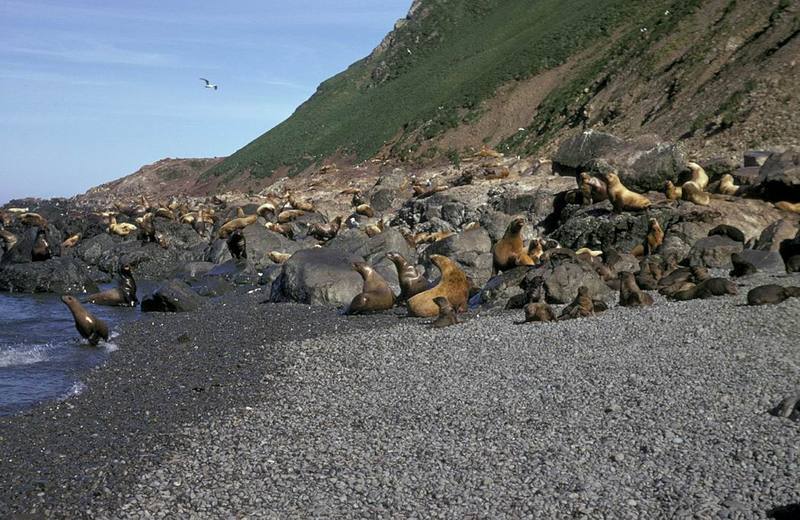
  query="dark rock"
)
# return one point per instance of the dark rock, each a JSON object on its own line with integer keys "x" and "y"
{"x": 765, "y": 261}
{"x": 261, "y": 241}
{"x": 193, "y": 270}
{"x": 755, "y": 158}
{"x": 172, "y": 296}
{"x": 501, "y": 288}
{"x": 714, "y": 251}
{"x": 717, "y": 167}
{"x": 56, "y": 275}
{"x": 319, "y": 276}
{"x": 772, "y": 236}
{"x": 91, "y": 249}
{"x": 779, "y": 178}
{"x": 746, "y": 176}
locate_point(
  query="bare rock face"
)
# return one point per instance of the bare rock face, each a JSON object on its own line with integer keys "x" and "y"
{"x": 562, "y": 281}
{"x": 779, "y": 177}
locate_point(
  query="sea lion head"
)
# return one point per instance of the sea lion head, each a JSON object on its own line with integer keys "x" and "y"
{"x": 397, "y": 258}
{"x": 443, "y": 303}
{"x": 362, "y": 268}
{"x": 583, "y": 291}
{"x": 611, "y": 178}
{"x": 516, "y": 225}
{"x": 69, "y": 300}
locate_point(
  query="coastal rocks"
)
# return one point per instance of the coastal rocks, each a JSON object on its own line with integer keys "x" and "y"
{"x": 471, "y": 250}
{"x": 150, "y": 260}
{"x": 172, "y": 296}
{"x": 765, "y": 261}
{"x": 57, "y": 275}
{"x": 318, "y": 276}
{"x": 261, "y": 241}
{"x": 91, "y": 249}
{"x": 596, "y": 227}
{"x": 644, "y": 163}
{"x": 772, "y": 236}
{"x": 561, "y": 282}
{"x": 501, "y": 288}
{"x": 714, "y": 251}
{"x": 779, "y": 177}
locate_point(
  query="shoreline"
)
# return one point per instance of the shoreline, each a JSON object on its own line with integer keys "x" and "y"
{"x": 162, "y": 406}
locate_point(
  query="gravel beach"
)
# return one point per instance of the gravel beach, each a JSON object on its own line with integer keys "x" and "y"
{"x": 290, "y": 411}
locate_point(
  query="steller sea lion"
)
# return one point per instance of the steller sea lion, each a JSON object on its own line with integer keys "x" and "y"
{"x": 581, "y": 306}
{"x": 33, "y": 219}
{"x": 289, "y": 214}
{"x": 90, "y": 327}
{"x": 122, "y": 230}
{"x": 509, "y": 251}
{"x": 9, "y": 239}
{"x": 650, "y": 272}
{"x": 278, "y": 257}
{"x": 741, "y": 267}
{"x": 327, "y": 231}
{"x": 630, "y": 295}
{"x": 376, "y": 295}
{"x": 412, "y": 282}
{"x": 265, "y": 208}
{"x": 693, "y": 193}
{"x": 454, "y": 285}
{"x": 41, "y": 247}
{"x": 539, "y": 312}
{"x": 72, "y": 241}
{"x": 283, "y": 229}
{"x": 771, "y": 294}
{"x": 365, "y": 210}
{"x": 706, "y": 289}
{"x": 124, "y": 294}
{"x": 726, "y": 185}
{"x": 237, "y": 244}
{"x": 147, "y": 229}
{"x": 623, "y": 199}
{"x": 374, "y": 229}
{"x": 699, "y": 176}
{"x": 653, "y": 240}
{"x": 300, "y": 204}
{"x": 731, "y": 232}
{"x": 788, "y": 206}
{"x": 447, "y": 316}
{"x": 672, "y": 192}
{"x": 593, "y": 189}
{"x": 237, "y": 223}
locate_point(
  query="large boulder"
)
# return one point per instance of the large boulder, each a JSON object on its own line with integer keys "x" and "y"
{"x": 390, "y": 190}
{"x": 714, "y": 251}
{"x": 91, "y": 249}
{"x": 561, "y": 282}
{"x": 172, "y": 296}
{"x": 57, "y": 275}
{"x": 501, "y": 288}
{"x": 26, "y": 236}
{"x": 770, "y": 239}
{"x": 471, "y": 250}
{"x": 150, "y": 260}
{"x": 765, "y": 261}
{"x": 779, "y": 177}
{"x": 261, "y": 241}
{"x": 319, "y": 276}
{"x": 373, "y": 250}
{"x": 644, "y": 163}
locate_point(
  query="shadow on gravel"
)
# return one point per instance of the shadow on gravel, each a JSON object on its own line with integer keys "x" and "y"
{"x": 787, "y": 512}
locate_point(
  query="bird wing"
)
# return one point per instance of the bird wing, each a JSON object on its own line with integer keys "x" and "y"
{"x": 204, "y": 79}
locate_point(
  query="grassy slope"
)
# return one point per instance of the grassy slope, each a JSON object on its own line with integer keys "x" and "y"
{"x": 461, "y": 51}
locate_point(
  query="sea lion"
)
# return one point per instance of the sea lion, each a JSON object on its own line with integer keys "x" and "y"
{"x": 650, "y": 272}
{"x": 365, "y": 210}
{"x": 374, "y": 229}
{"x": 741, "y": 267}
{"x": 771, "y": 294}
{"x": 429, "y": 238}
{"x": 693, "y": 193}
{"x": 447, "y": 316}
{"x": 72, "y": 241}
{"x": 726, "y": 185}
{"x": 594, "y": 188}
{"x": 412, "y": 282}
{"x": 376, "y": 295}
{"x": 653, "y": 240}
{"x": 237, "y": 223}
{"x": 788, "y": 206}
{"x": 147, "y": 229}
{"x": 265, "y": 208}
{"x": 535, "y": 250}
{"x": 41, "y": 247}
{"x": 672, "y": 192}
{"x": 454, "y": 285}
{"x": 237, "y": 244}
{"x": 539, "y": 312}
{"x": 283, "y": 229}
{"x": 289, "y": 214}
{"x": 357, "y": 199}
{"x": 471, "y": 225}
{"x": 509, "y": 250}
{"x": 240, "y": 212}
{"x": 731, "y": 232}
{"x": 123, "y": 295}
{"x": 300, "y": 204}
{"x": 706, "y": 289}
{"x": 630, "y": 295}
{"x": 33, "y": 219}
{"x": 91, "y": 328}
{"x": 581, "y": 306}
{"x": 327, "y": 231}
{"x": 9, "y": 239}
{"x": 165, "y": 213}
{"x": 278, "y": 257}
{"x": 122, "y": 230}
{"x": 699, "y": 176}
{"x": 623, "y": 199}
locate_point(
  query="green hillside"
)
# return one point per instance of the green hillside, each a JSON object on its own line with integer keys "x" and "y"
{"x": 440, "y": 65}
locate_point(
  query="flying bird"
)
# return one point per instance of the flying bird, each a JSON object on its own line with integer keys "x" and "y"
{"x": 209, "y": 84}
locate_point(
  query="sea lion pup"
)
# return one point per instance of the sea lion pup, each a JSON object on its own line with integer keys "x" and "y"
{"x": 289, "y": 214}
{"x": 741, "y": 267}
{"x": 623, "y": 199}
{"x": 453, "y": 285}
{"x": 693, "y": 193}
{"x": 299, "y": 204}
{"x": 539, "y": 312}
{"x": 41, "y": 247}
{"x": 726, "y": 185}
{"x": 72, "y": 241}
{"x": 672, "y": 192}
{"x": 580, "y": 307}
{"x": 33, "y": 219}
{"x": 237, "y": 223}
{"x": 412, "y": 282}
{"x": 123, "y": 295}
{"x": 731, "y": 232}
{"x": 90, "y": 327}
{"x": 122, "y": 230}
{"x": 510, "y": 249}
{"x": 706, "y": 289}
{"x": 327, "y": 231}
{"x": 237, "y": 244}
{"x": 536, "y": 250}
{"x": 630, "y": 295}
{"x": 699, "y": 176}
{"x": 653, "y": 240}
{"x": 771, "y": 294}
{"x": 592, "y": 188}
{"x": 147, "y": 229}
{"x": 650, "y": 272}
{"x": 365, "y": 210}
{"x": 267, "y": 207}
{"x": 278, "y": 257}
{"x": 376, "y": 295}
{"x": 788, "y": 206}
{"x": 447, "y": 316}
{"x": 9, "y": 239}
{"x": 374, "y": 229}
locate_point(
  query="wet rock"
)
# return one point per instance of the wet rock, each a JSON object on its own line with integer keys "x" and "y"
{"x": 172, "y": 296}
{"x": 319, "y": 276}
{"x": 714, "y": 251}
{"x": 56, "y": 275}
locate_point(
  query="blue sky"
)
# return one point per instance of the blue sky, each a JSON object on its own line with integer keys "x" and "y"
{"x": 92, "y": 90}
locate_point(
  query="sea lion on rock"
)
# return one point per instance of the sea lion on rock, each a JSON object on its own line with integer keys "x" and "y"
{"x": 707, "y": 289}
{"x": 771, "y": 294}
{"x": 454, "y": 285}
{"x": 278, "y": 257}
{"x": 300, "y": 204}
{"x": 653, "y": 240}
{"x": 365, "y": 210}
{"x": 788, "y": 206}
{"x": 265, "y": 208}
{"x": 597, "y": 189}
{"x": 9, "y": 239}
{"x": 741, "y": 267}
{"x": 447, "y": 316}
{"x": 412, "y": 282}
{"x": 124, "y": 294}
{"x": 726, "y": 185}
{"x": 650, "y": 272}
{"x": 283, "y": 229}
{"x": 289, "y": 215}
{"x": 536, "y": 250}
{"x": 731, "y": 232}
{"x": 72, "y": 241}
{"x": 672, "y": 192}
{"x": 122, "y": 230}
{"x": 699, "y": 176}
{"x": 693, "y": 193}
{"x": 376, "y": 295}
{"x": 33, "y": 219}
{"x": 509, "y": 250}
{"x": 623, "y": 199}
{"x": 582, "y": 306}
{"x": 41, "y": 247}
{"x": 630, "y": 295}
{"x": 374, "y": 229}
{"x": 327, "y": 231}
{"x": 237, "y": 223}
{"x": 237, "y": 244}
{"x": 91, "y": 328}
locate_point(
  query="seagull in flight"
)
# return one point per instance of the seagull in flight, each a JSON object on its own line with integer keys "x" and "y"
{"x": 209, "y": 84}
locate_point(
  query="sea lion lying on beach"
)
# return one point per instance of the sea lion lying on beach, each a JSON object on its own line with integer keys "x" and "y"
{"x": 376, "y": 295}
{"x": 124, "y": 294}
{"x": 771, "y": 294}
{"x": 630, "y": 295}
{"x": 453, "y": 285}
{"x": 90, "y": 327}
{"x": 706, "y": 289}
{"x": 539, "y": 311}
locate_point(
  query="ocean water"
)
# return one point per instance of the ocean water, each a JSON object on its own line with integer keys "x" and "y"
{"x": 42, "y": 356}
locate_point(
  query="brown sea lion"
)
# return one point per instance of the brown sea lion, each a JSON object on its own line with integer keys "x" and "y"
{"x": 731, "y": 232}
{"x": 510, "y": 249}
{"x": 147, "y": 229}
{"x": 9, "y": 239}
{"x": 122, "y": 230}
{"x": 33, "y": 219}
{"x": 283, "y": 229}
{"x": 447, "y": 316}
{"x": 278, "y": 257}
{"x": 91, "y": 328}
{"x": 741, "y": 267}
{"x": 650, "y": 272}
{"x": 693, "y": 193}
{"x": 240, "y": 212}
{"x": 124, "y": 294}
{"x": 365, "y": 210}
{"x": 237, "y": 223}
{"x": 623, "y": 199}
{"x": 357, "y": 199}
{"x": 539, "y": 312}
{"x": 412, "y": 282}
{"x": 264, "y": 209}
{"x": 788, "y": 206}
{"x": 630, "y": 295}
{"x": 72, "y": 241}
{"x": 165, "y": 213}
{"x": 41, "y": 247}
{"x": 726, "y": 185}
{"x": 595, "y": 188}
{"x": 289, "y": 214}
{"x": 653, "y": 240}
{"x": 706, "y": 289}
{"x": 581, "y": 306}
{"x": 536, "y": 250}
{"x": 771, "y": 294}
{"x": 327, "y": 231}
{"x": 300, "y": 204}
{"x": 374, "y": 229}
{"x": 237, "y": 244}
{"x": 699, "y": 176}
{"x": 376, "y": 295}
{"x": 672, "y": 192}
{"x": 454, "y": 285}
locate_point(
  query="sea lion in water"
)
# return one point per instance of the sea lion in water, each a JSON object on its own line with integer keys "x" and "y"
{"x": 91, "y": 328}
{"x": 447, "y": 316}
{"x": 731, "y": 232}
{"x": 124, "y": 294}
{"x": 376, "y": 295}
{"x": 653, "y": 240}
{"x": 693, "y": 193}
{"x": 237, "y": 244}
{"x": 623, "y": 199}
{"x": 741, "y": 267}
{"x": 630, "y": 295}
{"x": 771, "y": 294}
{"x": 453, "y": 285}
{"x": 699, "y": 176}
{"x": 412, "y": 282}
{"x": 41, "y": 247}
{"x": 509, "y": 251}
